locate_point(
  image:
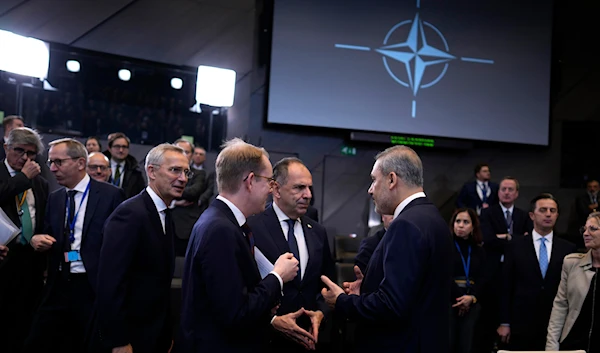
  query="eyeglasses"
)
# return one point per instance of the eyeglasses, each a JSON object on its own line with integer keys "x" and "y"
{"x": 270, "y": 180}
{"x": 120, "y": 147}
{"x": 96, "y": 167}
{"x": 58, "y": 162}
{"x": 591, "y": 229}
{"x": 177, "y": 171}
{"x": 21, "y": 151}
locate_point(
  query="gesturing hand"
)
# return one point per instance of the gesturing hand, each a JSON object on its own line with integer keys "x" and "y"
{"x": 331, "y": 293}
{"x": 354, "y": 287}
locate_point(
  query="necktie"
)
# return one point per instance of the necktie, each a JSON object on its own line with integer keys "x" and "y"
{"x": 26, "y": 226}
{"x": 484, "y": 192}
{"x": 117, "y": 178}
{"x": 543, "y": 257}
{"x": 509, "y": 221}
{"x": 66, "y": 266}
{"x": 249, "y": 237}
{"x": 293, "y": 244}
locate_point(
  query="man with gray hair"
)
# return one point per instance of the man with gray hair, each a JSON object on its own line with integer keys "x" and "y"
{"x": 72, "y": 238}
{"x": 227, "y": 303}
{"x": 404, "y": 300}
{"x": 23, "y": 195}
{"x": 98, "y": 166}
{"x": 137, "y": 260}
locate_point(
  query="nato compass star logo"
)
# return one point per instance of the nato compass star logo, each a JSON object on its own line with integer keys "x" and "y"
{"x": 417, "y": 55}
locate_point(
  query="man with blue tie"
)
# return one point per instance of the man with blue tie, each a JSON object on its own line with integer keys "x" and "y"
{"x": 284, "y": 228}
{"x": 72, "y": 237}
{"x": 23, "y": 196}
{"x": 480, "y": 193}
{"x": 227, "y": 304}
{"x": 531, "y": 275}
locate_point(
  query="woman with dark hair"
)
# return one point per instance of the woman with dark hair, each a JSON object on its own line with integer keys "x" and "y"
{"x": 468, "y": 273}
{"x": 92, "y": 144}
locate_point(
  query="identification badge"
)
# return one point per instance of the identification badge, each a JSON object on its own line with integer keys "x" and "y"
{"x": 72, "y": 256}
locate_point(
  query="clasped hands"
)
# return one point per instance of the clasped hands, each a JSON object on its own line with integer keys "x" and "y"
{"x": 286, "y": 324}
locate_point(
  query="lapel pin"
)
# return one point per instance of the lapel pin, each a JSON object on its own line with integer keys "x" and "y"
{"x": 309, "y": 226}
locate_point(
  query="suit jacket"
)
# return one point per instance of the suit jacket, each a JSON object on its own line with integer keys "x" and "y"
{"x": 226, "y": 305}
{"x": 103, "y": 199}
{"x": 269, "y": 238}
{"x": 184, "y": 217}
{"x": 209, "y": 189}
{"x": 404, "y": 294}
{"x": 469, "y": 197}
{"x": 526, "y": 301}
{"x": 367, "y": 248}
{"x": 493, "y": 222}
{"x": 136, "y": 268}
{"x": 576, "y": 277}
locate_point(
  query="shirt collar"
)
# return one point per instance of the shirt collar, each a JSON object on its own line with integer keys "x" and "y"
{"x": 10, "y": 170}
{"x": 504, "y": 209}
{"x": 537, "y": 236}
{"x": 158, "y": 202}
{"x": 406, "y": 201}
{"x": 481, "y": 183}
{"x": 82, "y": 185}
{"x": 239, "y": 216}
{"x": 198, "y": 166}
{"x": 113, "y": 163}
{"x": 280, "y": 215}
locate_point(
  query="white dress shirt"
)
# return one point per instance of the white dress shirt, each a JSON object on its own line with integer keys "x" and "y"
{"x": 536, "y": 243}
{"x": 241, "y": 219}
{"x": 80, "y": 208}
{"x": 113, "y": 167}
{"x": 298, "y": 233}
{"x": 406, "y": 201}
{"x": 479, "y": 188}
{"x": 30, "y": 198}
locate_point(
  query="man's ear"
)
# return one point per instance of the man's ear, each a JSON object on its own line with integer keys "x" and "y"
{"x": 392, "y": 179}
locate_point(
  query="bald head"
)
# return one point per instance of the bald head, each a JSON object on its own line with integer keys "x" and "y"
{"x": 98, "y": 166}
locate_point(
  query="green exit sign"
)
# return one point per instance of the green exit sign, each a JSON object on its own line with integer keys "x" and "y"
{"x": 349, "y": 151}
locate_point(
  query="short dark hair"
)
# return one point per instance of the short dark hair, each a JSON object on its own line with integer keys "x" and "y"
{"x": 475, "y": 237}
{"x": 118, "y": 135}
{"x": 542, "y": 196}
{"x": 479, "y": 166}
{"x": 97, "y": 140}
{"x": 591, "y": 181}
{"x": 280, "y": 169}
{"x": 510, "y": 178}
{"x": 9, "y": 120}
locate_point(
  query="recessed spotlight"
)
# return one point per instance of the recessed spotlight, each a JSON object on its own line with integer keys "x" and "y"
{"x": 73, "y": 65}
{"x": 124, "y": 75}
{"x": 176, "y": 83}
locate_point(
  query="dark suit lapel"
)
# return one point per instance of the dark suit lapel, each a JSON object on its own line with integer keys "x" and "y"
{"x": 499, "y": 216}
{"x": 156, "y": 224}
{"x": 90, "y": 208}
{"x": 274, "y": 227}
{"x": 61, "y": 198}
{"x": 311, "y": 245}
{"x": 532, "y": 255}
{"x": 556, "y": 259}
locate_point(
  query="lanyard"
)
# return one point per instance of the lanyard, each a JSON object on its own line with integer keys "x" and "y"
{"x": 466, "y": 265}
{"x": 72, "y": 224}
{"x": 484, "y": 190}
{"x": 20, "y": 202}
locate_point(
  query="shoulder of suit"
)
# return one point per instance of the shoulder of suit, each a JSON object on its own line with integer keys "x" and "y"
{"x": 576, "y": 256}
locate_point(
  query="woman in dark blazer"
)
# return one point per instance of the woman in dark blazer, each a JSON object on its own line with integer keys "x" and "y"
{"x": 468, "y": 271}
{"x": 575, "y": 320}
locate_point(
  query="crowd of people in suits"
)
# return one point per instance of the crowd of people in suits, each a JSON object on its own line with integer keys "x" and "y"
{"x": 92, "y": 265}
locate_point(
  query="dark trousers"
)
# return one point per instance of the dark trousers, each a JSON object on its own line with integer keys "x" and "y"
{"x": 63, "y": 320}
{"x": 462, "y": 329}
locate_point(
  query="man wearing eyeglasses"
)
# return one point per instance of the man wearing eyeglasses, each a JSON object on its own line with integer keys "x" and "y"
{"x": 72, "y": 238}
{"x": 137, "y": 260}
{"x": 98, "y": 166}
{"x": 23, "y": 195}
{"x": 125, "y": 172}
{"x": 282, "y": 228}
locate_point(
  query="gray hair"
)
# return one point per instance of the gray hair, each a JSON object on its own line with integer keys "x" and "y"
{"x": 25, "y": 136}
{"x": 157, "y": 154}
{"x": 280, "y": 169}
{"x": 75, "y": 149}
{"x": 403, "y": 161}
{"x": 236, "y": 159}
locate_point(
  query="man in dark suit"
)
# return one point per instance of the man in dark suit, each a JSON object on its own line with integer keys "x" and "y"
{"x": 480, "y": 193}
{"x": 23, "y": 196}
{"x": 72, "y": 236}
{"x": 137, "y": 260}
{"x": 403, "y": 303}
{"x": 125, "y": 172}
{"x": 531, "y": 275}
{"x": 187, "y": 211}
{"x": 500, "y": 223}
{"x": 207, "y": 192}
{"x": 227, "y": 302}
{"x": 369, "y": 244}
{"x": 284, "y": 228}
